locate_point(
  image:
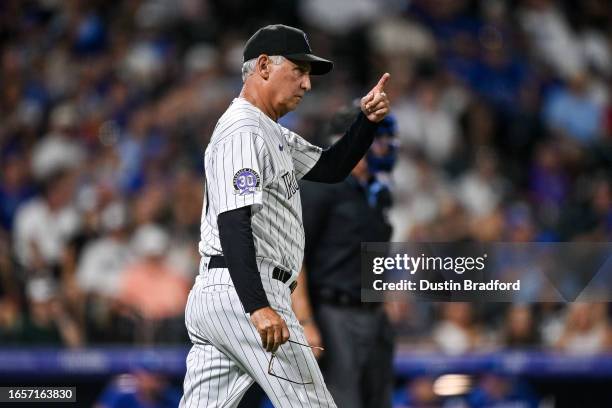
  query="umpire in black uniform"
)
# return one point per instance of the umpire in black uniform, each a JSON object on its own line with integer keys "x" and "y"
{"x": 358, "y": 340}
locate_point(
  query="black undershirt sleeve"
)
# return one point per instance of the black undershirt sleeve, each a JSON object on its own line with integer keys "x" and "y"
{"x": 337, "y": 161}
{"x": 238, "y": 247}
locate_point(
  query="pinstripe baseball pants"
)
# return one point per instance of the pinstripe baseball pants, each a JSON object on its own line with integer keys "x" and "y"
{"x": 227, "y": 355}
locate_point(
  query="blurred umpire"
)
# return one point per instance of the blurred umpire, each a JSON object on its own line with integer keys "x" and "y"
{"x": 358, "y": 340}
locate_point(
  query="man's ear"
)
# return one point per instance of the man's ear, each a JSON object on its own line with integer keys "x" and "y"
{"x": 263, "y": 66}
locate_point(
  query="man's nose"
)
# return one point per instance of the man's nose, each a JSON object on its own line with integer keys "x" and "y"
{"x": 306, "y": 82}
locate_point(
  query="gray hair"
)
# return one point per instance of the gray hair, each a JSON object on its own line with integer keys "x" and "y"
{"x": 248, "y": 67}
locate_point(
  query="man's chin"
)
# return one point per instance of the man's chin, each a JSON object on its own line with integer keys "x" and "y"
{"x": 292, "y": 105}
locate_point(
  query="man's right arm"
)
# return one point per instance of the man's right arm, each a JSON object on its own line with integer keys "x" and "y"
{"x": 336, "y": 162}
{"x": 236, "y": 236}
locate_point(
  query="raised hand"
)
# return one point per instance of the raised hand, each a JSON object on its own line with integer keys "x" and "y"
{"x": 375, "y": 105}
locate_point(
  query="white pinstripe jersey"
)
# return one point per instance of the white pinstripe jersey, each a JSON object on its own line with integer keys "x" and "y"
{"x": 252, "y": 160}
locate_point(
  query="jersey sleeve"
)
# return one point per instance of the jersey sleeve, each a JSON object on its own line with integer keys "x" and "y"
{"x": 236, "y": 171}
{"x": 305, "y": 155}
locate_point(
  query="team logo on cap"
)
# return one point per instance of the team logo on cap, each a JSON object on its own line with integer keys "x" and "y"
{"x": 307, "y": 42}
{"x": 246, "y": 181}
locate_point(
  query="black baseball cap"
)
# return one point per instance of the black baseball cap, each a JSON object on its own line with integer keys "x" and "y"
{"x": 290, "y": 42}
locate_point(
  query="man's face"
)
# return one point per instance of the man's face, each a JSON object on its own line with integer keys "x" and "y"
{"x": 290, "y": 80}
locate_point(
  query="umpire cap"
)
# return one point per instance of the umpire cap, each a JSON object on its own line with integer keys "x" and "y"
{"x": 290, "y": 42}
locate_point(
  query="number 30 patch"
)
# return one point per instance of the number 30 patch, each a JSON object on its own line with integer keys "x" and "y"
{"x": 246, "y": 181}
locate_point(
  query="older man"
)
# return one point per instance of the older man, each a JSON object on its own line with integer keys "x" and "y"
{"x": 239, "y": 313}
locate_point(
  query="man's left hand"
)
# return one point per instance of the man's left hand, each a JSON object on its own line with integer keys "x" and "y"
{"x": 375, "y": 105}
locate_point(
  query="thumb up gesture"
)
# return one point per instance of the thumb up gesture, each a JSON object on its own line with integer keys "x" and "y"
{"x": 375, "y": 105}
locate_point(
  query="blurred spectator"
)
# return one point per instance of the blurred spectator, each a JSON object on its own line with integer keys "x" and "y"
{"x": 103, "y": 260}
{"x": 571, "y": 111}
{"x": 143, "y": 388}
{"x": 44, "y": 224}
{"x": 519, "y": 224}
{"x": 457, "y": 331}
{"x": 47, "y": 321}
{"x": 421, "y": 194}
{"x": 10, "y": 321}
{"x": 403, "y": 37}
{"x": 98, "y": 272}
{"x": 186, "y": 209}
{"x": 10, "y": 299}
{"x": 59, "y": 149}
{"x": 587, "y": 217}
{"x": 552, "y": 321}
{"x": 425, "y": 125}
{"x": 149, "y": 206}
{"x": 524, "y": 130}
{"x": 501, "y": 391}
{"x": 9, "y": 286}
{"x": 480, "y": 127}
{"x": 515, "y": 262}
{"x": 520, "y": 329}
{"x": 15, "y": 187}
{"x": 343, "y": 15}
{"x": 417, "y": 393}
{"x": 549, "y": 183}
{"x": 500, "y": 76}
{"x": 481, "y": 189}
{"x": 602, "y": 208}
{"x": 153, "y": 292}
{"x": 133, "y": 151}
{"x": 489, "y": 228}
{"x": 551, "y": 36}
{"x": 587, "y": 329}
{"x": 599, "y": 211}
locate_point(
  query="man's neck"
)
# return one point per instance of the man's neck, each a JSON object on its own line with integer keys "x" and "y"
{"x": 255, "y": 98}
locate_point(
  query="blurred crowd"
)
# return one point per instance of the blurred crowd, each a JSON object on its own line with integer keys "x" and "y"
{"x": 504, "y": 115}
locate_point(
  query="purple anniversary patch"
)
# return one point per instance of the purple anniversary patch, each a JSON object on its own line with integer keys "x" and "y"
{"x": 246, "y": 181}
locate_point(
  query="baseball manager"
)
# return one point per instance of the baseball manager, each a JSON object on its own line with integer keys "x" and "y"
{"x": 239, "y": 315}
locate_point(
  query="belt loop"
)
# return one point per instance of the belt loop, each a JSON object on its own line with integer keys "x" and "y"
{"x": 284, "y": 277}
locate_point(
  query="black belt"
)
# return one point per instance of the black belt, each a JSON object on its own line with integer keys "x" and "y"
{"x": 218, "y": 262}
